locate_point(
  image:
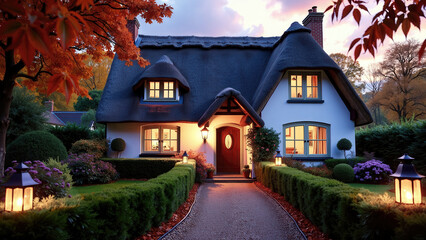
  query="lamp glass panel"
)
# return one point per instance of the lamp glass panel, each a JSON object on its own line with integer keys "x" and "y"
{"x": 28, "y": 198}
{"x": 8, "y": 199}
{"x": 406, "y": 191}
{"x": 17, "y": 199}
{"x": 397, "y": 192}
{"x": 417, "y": 191}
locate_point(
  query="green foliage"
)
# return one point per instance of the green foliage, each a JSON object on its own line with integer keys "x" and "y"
{"x": 125, "y": 213}
{"x": 118, "y": 145}
{"x": 36, "y": 145}
{"x": 200, "y": 164}
{"x": 341, "y": 211}
{"x": 70, "y": 134}
{"x": 344, "y": 144}
{"x": 63, "y": 167}
{"x": 330, "y": 163}
{"x": 344, "y": 173}
{"x": 140, "y": 168}
{"x": 97, "y": 148}
{"x": 389, "y": 142}
{"x": 98, "y": 133}
{"x": 26, "y": 114}
{"x": 321, "y": 171}
{"x": 89, "y": 117}
{"x": 263, "y": 143}
{"x": 85, "y": 104}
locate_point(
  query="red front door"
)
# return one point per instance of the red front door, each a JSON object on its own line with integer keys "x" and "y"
{"x": 228, "y": 149}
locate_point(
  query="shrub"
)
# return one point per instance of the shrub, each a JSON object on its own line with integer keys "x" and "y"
{"x": 330, "y": 163}
{"x": 98, "y": 134}
{"x": 118, "y": 145}
{"x": 344, "y": 173}
{"x": 36, "y": 145}
{"x": 263, "y": 143}
{"x": 344, "y": 145}
{"x": 97, "y": 148}
{"x": 201, "y": 164}
{"x": 373, "y": 171}
{"x": 70, "y": 133}
{"x": 140, "y": 168}
{"x": 321, "y": 171}
{"x": 85, "y": 169}
{"x": 52, "y": 181}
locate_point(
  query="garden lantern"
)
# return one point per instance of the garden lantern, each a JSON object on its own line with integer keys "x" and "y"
{"x": 204, "y": 134}
{"x": 407, "y": 182}
{"x": 19, "y": 190}
{"x": 278, "y": 159}
{"x": 185, "y": 158}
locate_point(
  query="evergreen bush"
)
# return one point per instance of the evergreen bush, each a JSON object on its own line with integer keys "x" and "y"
{"x": 118, "y": 145}
{"x": 70, "y": 134}
{"x": 140, "y": 168}
{"x": 344, "y": 173}
{"x": 36, "y": 145}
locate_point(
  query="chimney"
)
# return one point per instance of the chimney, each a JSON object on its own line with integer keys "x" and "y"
{"x": 314, "y": 22}
{"x": 49, "y": 105}
{"x": 133, "y": 26}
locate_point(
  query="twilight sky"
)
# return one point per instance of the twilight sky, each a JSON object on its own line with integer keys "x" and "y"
{"x": 265, "y": 18}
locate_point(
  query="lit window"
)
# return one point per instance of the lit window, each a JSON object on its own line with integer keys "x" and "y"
{"x": 160, "y": 139}
{"x": 161, "y": 90}
{"x": 306, "y": 139}
{"x": 305, "y": 86}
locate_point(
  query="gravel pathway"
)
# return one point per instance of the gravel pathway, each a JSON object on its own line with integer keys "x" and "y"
{"x": 235, "y": 211}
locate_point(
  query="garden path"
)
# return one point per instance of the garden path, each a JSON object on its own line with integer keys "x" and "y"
{"x": 235, "y": 211}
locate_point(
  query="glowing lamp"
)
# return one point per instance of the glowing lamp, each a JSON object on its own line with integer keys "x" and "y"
{"x": 407, "y": 182}
{"x": 204, "y": 134}
{"x": 278, "y": 159}
{"x": 185, "y": 158}
{"x": 19, "y": 190}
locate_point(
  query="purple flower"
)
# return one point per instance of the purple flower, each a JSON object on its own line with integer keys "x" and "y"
{"x": 69, "y": 195}
{"x": 27, "y": 162}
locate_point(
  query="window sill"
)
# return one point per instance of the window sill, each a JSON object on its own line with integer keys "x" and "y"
{"x": 162, "y": 102}
{"x": 157, "y": 154}
{"x": 305, "y": 101}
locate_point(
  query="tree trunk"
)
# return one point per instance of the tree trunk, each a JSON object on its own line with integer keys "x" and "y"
{"x": 6, "y": 89}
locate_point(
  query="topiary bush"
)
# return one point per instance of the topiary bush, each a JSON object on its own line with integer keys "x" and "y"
{"x": 85, "y": 169}
{"x": 344, "y": 173}
{"x": 263, "y": 143}
{"x": 36, "y": 145}
{"x": 373, "y": 171}
{"x": 118, "y": 145}
{"x": 97, "y": 148}
{"x": 344, "y": 145}
{"x": 70, "y": 133}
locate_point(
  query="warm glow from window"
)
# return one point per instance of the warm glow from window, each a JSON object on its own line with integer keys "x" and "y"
{"x": 306, "y": 140}
{"x": 160, "y": 139}
{"x": 303, "y": 86}
{"x": 154, "y": 89}
{"x": 296, "y": 86}
{"x": 152, "y": 140}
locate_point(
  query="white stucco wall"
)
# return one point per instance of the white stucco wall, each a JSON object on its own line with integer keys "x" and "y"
{"x": 190, "y": 137}
{"x": 333, "y": 111}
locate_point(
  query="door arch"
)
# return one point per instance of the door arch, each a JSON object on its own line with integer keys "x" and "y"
{"x": 228, "y": 149}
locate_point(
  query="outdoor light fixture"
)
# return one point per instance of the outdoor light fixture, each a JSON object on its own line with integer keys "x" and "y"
{"x": 185, "y": 158}
{"x": 278, "y": 159}
{"x": 407, "y": 182}
{"x": 204, "y": 134}
{"x": 19, "y": 190}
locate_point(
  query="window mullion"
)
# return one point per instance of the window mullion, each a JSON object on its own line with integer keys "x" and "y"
{"x": 306, "y": 138}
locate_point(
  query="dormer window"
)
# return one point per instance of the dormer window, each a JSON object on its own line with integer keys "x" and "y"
{"x": 305, "y": 87}
{"x": 161, "y": 90}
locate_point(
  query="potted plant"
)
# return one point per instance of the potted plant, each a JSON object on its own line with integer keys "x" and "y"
{"x": 246, "y": 171}
{"x": 210, "y": 170}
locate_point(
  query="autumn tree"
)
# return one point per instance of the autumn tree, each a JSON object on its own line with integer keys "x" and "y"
{"x": 374, "y": 84}
{"x": 352, "y": 69}
{"x": 99, "y": 76}
{"x": 403, "y": 92}
{"x": 393, "y": 15}
{"x": 48, "y": 40}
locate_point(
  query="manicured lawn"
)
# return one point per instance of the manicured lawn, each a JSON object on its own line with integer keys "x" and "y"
{"x": 372, "y": 187}
{"x": 102, "y": 187}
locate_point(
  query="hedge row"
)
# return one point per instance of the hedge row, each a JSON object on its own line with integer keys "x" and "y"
{"x": 330, "y": 163}
{"x": 140, "y": 168}
{"x": 339, "y": 210}
{"x": 122, "y": 214}
{"x": 389, "y": 142}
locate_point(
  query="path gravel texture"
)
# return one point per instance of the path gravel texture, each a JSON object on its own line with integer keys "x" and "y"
{"x": 235, "y": 211}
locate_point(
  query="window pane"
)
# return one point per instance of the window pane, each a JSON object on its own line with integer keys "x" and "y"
{"x": 174, "y": 134}
{"x": 151, "y": 93}
{"x": 166, "y": 94}
{"x": 289, "y": 147}
{"x": 157, "y": 94}
{"x": 296, "y": 86}
{"x": 289, "y": 133}
{"x": 299, "y": 133}
{"x": 151, "y": 85}
{"x": 171, "y": 95}
{"x": 299, "y": 149}
{"x": 166, "y": 85}
{"x": 166, "y": 133}
{"x": 157, "y": 85}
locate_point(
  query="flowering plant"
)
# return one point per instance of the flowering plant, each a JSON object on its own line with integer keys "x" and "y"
{"x": 373, "y": 171}
{"x": 85, "y": 169}
{"x": 200, "y": 164}
{"x": 210, "y": 167}
{"x": 263, "y": 143}
{"x": 52, "y": 181}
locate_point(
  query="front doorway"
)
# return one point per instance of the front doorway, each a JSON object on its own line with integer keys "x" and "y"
{"x": 228, "y": 150}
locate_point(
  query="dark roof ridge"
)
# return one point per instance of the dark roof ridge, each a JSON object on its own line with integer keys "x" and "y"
{"x": 294, "y": 27}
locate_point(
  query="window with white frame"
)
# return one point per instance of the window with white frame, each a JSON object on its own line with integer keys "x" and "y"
{"x": 305, "y": 86}
{"x": 160, "y": 139}
{"x": 157, "y": 90}
{"x": 307, "y": 139}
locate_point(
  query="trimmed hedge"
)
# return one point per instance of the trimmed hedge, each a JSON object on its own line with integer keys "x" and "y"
{"x": 140, "y": 168}
{"x": 122, "y": 214}
{"x": 340, "y": 210}
{"x": 331, "y": 163}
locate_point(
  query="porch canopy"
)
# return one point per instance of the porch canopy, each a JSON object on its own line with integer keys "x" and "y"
{"x": 230, "y": 102}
